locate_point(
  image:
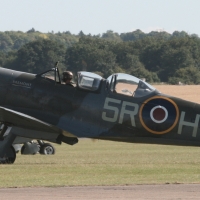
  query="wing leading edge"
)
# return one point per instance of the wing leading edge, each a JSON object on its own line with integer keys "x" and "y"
{"x": 23, "y": 121}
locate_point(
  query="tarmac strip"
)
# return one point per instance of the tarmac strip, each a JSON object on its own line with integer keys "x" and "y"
{"x": 147, "y": 192}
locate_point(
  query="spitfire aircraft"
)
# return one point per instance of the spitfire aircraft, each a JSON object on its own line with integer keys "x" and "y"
{"x": 38, "y": 107}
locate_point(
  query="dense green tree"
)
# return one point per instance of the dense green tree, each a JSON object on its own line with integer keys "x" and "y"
{"x": 14, "y": 40}
{"x": 90, "y": 55}
{"x": 81, "y": 34}
{"x": 110, "y": 35}
{"x": 38, "y": 56}
{"x": 165, "y": 57}
{"x": 188, "y": 75}
{"x": 179, "y": 34}
{"x": 31, "y": 30}
{"x": 2, "y": 58}
{"x": 5, "y": 42}
{"x": 7, "y": 59}
{"x": 132, "y": 36}
{"x": 106, "y": 57}
{"x": 159, "y": 35}
{"x": 151, "y": 57}
{"x": 141, "y": 72}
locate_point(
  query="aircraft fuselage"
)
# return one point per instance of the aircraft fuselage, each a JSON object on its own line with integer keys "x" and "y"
{"x": 154, "y": 118}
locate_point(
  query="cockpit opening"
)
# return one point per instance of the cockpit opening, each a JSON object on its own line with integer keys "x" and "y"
{"x": 125, "y": 84}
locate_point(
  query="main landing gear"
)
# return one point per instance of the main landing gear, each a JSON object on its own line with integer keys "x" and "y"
{"x": 9, "y": 156}
{"x": 7, "y": 152}
{"x": 31, "y": 148}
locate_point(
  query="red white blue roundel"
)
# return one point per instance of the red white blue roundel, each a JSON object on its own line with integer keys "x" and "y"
{"x": 159, "y": 115}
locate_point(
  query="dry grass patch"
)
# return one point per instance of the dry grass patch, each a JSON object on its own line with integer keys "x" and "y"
{"x": 187, "y": 92}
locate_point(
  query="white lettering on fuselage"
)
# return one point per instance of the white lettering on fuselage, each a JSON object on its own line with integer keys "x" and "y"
{"x": 114, "y": 112}
{"x": 112, "y": 108}
{"x": 128, "y": 112}
{"x": 123, "y": 111}
{"x": 20, "y": 83}
{"x": 184, "y": 123}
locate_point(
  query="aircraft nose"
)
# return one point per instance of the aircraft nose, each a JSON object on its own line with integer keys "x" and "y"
{"x": 6, "y": 76}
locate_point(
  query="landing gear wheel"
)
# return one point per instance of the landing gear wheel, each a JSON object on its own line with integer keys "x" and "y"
{"x": 10, "y": 156}
{"x": 47, "y": 149}
{"x": 22, "y": 149}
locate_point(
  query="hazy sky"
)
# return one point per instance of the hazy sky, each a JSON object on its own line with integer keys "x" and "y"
{"x": 98, "y": 16}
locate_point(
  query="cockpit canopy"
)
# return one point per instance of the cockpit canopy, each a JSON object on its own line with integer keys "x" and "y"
{"x": 120, "y": 83}
{"x": 89, "y": 81}
{"x": 125, "y": 84}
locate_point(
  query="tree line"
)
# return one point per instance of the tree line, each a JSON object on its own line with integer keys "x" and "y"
{"x": 14, "y": 40}
{"x": 156, "y": 56}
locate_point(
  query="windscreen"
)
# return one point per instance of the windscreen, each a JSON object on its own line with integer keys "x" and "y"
{"x": 52, "y": 74}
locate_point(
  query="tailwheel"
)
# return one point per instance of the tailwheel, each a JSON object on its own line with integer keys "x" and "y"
{"x": 9, "y": 157}
{"x": 47, "y": 149}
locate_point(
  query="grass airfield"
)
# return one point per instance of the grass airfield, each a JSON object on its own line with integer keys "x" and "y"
{"x": 109, "y": 163}
{"x": 104, "y": 163}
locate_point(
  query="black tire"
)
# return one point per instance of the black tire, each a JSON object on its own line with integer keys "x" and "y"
{"x": 10, "y": 156}
{"x": 22, "y": 149}
{"x": 47, "y": 149}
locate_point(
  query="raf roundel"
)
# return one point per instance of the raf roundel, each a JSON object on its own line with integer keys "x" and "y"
{"x": 159, "y": 115}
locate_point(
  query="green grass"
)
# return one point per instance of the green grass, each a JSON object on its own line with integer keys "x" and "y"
{"x": 104, "y": 163}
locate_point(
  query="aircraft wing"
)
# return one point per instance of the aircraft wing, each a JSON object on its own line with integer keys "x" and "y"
{"x": 24, "y": 121}
{"x": 29, "y": 127}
